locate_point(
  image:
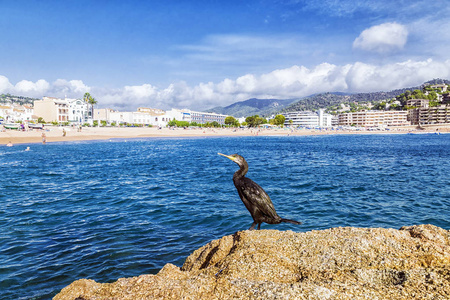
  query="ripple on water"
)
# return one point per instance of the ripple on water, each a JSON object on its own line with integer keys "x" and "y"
{"x": 110, "y": 209}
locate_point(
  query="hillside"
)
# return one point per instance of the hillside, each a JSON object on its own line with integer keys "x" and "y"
{"x": 329, "y": 101}
{"x": 7, "y": 98}
{"x": 262, "y": 107}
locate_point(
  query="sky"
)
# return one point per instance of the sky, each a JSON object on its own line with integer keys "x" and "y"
{"x": 207, "y": 53}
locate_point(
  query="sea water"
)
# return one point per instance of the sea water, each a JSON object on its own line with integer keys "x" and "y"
{"x": 120, "y": 208}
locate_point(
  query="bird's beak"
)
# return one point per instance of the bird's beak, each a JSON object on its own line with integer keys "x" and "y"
{"x": 227, "y": 156}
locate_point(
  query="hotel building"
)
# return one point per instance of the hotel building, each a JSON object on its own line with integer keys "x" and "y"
{"x": 308, "y": 119}
{"x": 374, "y": 118}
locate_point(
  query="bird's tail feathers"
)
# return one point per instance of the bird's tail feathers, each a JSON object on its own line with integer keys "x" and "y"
{"x": 291, "y": 221}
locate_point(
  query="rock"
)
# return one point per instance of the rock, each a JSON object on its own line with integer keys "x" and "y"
{"x": 337, "y": 263}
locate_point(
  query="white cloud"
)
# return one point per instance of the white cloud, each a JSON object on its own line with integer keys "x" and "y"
{"x": 5, "y": 85}
{"x": 382, "y": 38}
{"x": 72, "y": 87}
{"x": 365, "y": 77}
{"x": 59, "y": 88}
{"x": 140, "y": 91}
{"x": 29, "y": 87}
{"x": 293, "y": 82}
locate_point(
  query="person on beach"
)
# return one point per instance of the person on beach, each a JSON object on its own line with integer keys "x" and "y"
{"x": 9, "y": 144}
{"x": 44, "y": 138}
{"x": 64, "y": 132}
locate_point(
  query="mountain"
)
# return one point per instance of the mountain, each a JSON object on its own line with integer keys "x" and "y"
{"x": 327, "y": 100}
{"x": 250, "y": 107}
{"x": 268, "y": 107}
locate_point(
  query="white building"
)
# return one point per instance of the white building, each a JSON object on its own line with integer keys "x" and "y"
{"x": 63, "y": 110}
{"x": 16, "y": 112}
{"x": 308, "y": 119}
{"x": 156, "y": 117}
{"x": 7, "y": 113}
{"x": 143, "y": 116}
{"x": 179, "y": 115}
{"x": 78, "y": 111}
{"x": 195, "y": 116}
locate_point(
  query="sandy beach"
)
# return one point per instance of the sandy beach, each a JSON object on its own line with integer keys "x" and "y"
{"x": 55, "y": 133}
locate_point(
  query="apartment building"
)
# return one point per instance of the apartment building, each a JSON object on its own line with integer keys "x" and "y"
{"x": 308, "y": 119}
{"x": 52, "y": 109}
{"x": 417, "y": 102}
{"x": 374, "y": 118}
{"x": 433, "y": 115}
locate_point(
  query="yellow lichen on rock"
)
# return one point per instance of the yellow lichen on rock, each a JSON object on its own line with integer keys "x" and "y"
{"x": 338, "y": 263}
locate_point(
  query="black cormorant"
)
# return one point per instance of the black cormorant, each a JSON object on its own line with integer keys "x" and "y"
{"x": 254, "y": 197}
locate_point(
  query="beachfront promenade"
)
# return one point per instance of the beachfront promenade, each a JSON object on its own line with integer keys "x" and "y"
{"x": 55, "y": 134}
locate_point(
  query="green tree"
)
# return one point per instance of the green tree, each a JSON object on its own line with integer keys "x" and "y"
{"x": 176, "y": 123}
{"x": 418, "y": 94}
{"x": 432, "y": 95}
{"x": 250, "y": 121}
{"x": 255, "y": 121}
{"x": 279, "y": 120}
{"x": 380, "y": 106}
{"x": 230, "y": 121}
{"x": 172, "y": 123}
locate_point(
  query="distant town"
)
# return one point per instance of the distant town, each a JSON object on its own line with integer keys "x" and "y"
{"x": 426, "y": 106}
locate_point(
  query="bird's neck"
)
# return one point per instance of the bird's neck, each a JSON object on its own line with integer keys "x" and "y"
{"x": 243, "y": 169}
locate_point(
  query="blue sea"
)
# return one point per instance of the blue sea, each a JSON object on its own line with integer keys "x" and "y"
{"x": 120, "y": 208}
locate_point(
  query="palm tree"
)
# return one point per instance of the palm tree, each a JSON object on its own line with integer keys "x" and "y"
{"x": 90, "y": 100}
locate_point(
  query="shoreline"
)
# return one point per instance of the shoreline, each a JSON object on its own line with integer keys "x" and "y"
{"x": 55, "y": 133}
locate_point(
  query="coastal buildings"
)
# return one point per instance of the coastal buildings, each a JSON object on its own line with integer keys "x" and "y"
{"x": 421, "y": 112}
{"x": 202, "y": 117}
{"x": 374, "y": 118}
{"x": 308, "y": 119}
{"x": 13, "y": 113}
{"x": 156, "y": 117}
{"x": 195, "y": 116}
{"x": 433, "y": 115}
{"x": 77, "y": 111}
{"x": 52, "y": 109}
{"x": 143, "y": 116}
{"x": 62, "y": 110}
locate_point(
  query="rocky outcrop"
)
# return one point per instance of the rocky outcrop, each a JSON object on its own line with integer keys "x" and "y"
{"x": 337, "y": 263}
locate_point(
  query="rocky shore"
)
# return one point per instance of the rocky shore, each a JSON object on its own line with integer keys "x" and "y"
{"x": 337, "y": 263}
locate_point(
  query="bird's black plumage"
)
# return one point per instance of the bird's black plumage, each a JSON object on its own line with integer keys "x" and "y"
{"x": 254, "y": 197}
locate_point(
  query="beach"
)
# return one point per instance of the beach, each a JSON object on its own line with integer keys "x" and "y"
{"x": 55, "y": 133}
